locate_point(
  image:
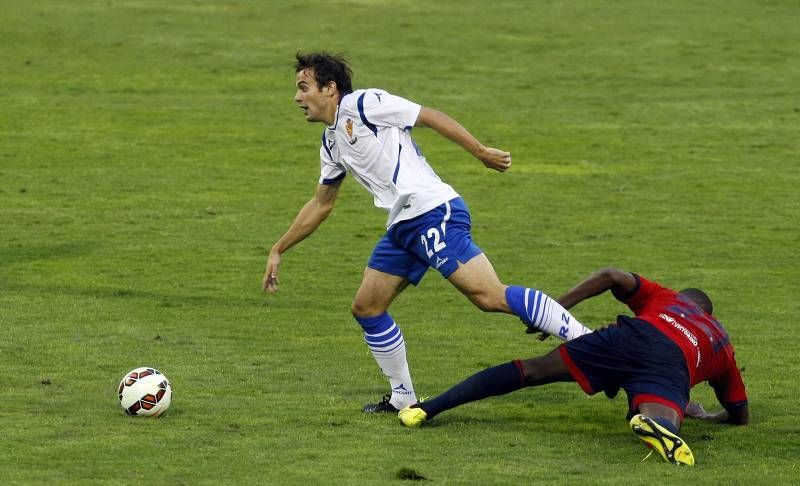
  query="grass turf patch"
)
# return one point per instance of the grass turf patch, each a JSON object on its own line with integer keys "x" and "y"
{"x": 150, "y": 153}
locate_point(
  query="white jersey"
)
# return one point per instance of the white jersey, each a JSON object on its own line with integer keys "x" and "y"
{"x": 371, "y": 139}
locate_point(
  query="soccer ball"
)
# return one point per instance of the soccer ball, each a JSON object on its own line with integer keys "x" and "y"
{"x": 145, "y": 392}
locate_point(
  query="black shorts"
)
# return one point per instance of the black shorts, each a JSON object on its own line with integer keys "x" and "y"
{"x": 635, "y": 356}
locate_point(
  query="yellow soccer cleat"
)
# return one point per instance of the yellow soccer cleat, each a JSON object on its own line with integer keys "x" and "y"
{"x": 412, "y": 416}
{"x": 671, "y": 447}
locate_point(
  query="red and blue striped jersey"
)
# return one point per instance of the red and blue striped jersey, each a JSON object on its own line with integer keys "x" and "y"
{"x": 704, "y": 341}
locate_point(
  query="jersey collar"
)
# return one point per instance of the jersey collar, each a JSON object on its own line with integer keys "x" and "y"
{"x": 338, "y": 107}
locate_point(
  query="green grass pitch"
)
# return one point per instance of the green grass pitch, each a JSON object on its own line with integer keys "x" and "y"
{"x": 150, "y": 153}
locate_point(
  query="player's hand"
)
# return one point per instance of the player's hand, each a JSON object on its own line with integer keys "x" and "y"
{"x": 270, "y": 281}
{"x": 695, "y": 410}
{"x": 493, "y": 158}
{"x": 541, "y": 334}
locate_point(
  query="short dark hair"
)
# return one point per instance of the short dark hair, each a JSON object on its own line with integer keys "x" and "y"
{"x": 700, "y": 298}
{"x": 327, "y": 68}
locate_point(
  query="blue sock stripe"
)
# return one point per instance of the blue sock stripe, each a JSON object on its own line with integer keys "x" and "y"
{"x": 377, "y": 342}
{"x": 382, "y": 335}
{"x": 527, "y": 304}
{"x": 538, "y": 297}
{"x": 381, "y": 344}
{"x": 387, "y": 351}
{"x": 532, "y": 305}
{"x": 548, "y": 304}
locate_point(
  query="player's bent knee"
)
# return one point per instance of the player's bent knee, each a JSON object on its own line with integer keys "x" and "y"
{"x": 531, "y": 371}
{"x": 362, "y": 309}
{"x": 358, "y": 310}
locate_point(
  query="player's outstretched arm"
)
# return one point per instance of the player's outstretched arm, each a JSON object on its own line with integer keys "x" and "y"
{"x": 306, "y": 222}
{"x": 450, "y": 129}
{"x": 620, "y": 282}
{"x": 729, "y": 389}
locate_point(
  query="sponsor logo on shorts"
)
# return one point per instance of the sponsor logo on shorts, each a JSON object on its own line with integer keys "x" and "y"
{"x": 440, "y": 261}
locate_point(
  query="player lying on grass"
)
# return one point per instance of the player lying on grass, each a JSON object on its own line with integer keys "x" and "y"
{"x": 672, "y": 343}
{"x": 367, "y": 134}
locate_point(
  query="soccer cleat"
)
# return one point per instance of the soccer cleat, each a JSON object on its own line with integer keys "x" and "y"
{"x": 671, "y": 447}
{"x": 381, "y": 407}
{"x": 412, "y": 416}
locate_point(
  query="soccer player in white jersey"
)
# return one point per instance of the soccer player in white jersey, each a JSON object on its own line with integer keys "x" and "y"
{"x": 367, "y": 134}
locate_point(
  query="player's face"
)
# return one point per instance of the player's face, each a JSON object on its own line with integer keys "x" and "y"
{"x": 318, "y": 104}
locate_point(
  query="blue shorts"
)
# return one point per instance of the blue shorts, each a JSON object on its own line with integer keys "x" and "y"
{"x": 439, "y": 238}
{"x": 635, "y": 356}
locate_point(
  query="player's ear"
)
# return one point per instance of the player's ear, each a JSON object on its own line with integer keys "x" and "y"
{"x": 330, "y": 88}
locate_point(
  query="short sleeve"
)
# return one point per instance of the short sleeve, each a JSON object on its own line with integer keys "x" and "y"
{"x": 645, "y": 290}
{"x": 379, "y": 108}
{"x": 330, "y": 171}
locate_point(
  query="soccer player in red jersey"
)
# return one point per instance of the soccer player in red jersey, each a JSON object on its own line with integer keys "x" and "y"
{"x": 672, "y": 343}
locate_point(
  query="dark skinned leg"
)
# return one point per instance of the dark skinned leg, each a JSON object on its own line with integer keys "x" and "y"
{"x": 499, "y": 380}
{"x": 658, "y": 411}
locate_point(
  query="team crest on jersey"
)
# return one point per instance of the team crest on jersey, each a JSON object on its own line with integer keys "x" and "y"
{"x": 348, "y": 127}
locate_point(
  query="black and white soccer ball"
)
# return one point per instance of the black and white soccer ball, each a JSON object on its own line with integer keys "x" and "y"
{"x": 145, "y": 392}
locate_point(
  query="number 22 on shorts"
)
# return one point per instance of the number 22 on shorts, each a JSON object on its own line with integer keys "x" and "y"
{"x": 438, "y": 244}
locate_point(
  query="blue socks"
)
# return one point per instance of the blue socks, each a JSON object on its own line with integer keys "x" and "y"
{"x": 388, "y": 347}
{"x": 381, "y": 333}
